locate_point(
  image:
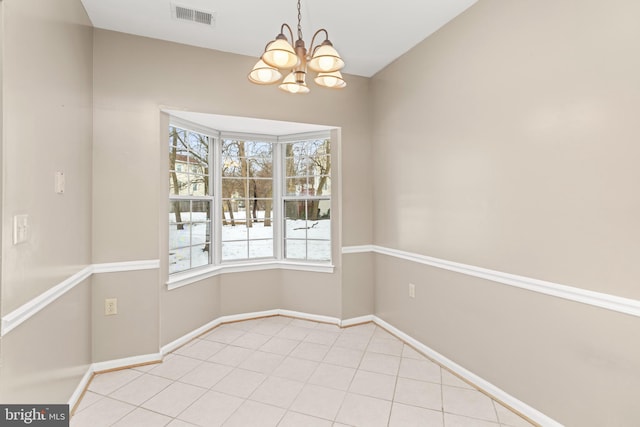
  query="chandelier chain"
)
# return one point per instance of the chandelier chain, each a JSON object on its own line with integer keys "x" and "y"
{"x": 299, "y": 22}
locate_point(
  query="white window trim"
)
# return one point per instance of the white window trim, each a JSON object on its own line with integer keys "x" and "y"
{"x": 211, "y": 198}
{"x": 219, "y": 267}
{"x": 187, "y": 277}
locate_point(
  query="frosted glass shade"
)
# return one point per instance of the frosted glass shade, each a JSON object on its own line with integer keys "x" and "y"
{"x": 325, "y": 59}
{"x": 280, "y": 54}
{"x": 264, "y": 74}
{"x": 289, "y": 84}
{"x": 331, "y": 80}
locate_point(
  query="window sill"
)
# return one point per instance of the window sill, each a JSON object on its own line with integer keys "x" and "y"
{"x": 182, "y": 279}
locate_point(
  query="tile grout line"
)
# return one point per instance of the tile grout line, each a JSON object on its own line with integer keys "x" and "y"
{"x": 258, "y": 348}
{"x": 354, "y": 376}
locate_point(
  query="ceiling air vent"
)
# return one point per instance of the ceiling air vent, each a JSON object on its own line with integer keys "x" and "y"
{"x": 185, "y": 13}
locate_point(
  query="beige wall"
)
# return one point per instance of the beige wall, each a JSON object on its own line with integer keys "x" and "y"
{"x": 135, "y": 329}
{"x": 358, "y": 285}
{"x": 134, "y": 77}
{"x": 46, "y": 121}
{"x": 44, "y": 359}
{"x": 203, "y": 302}
{"x": 508, "y": 140}
{"x": 47, "y": 65}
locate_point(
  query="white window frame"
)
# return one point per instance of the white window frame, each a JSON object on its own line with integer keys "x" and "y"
{"x": 211, "y": 198}
{"x": 285, "y": 198}
{"x": 253, "y": 138}
{"x": 278, "y": 261}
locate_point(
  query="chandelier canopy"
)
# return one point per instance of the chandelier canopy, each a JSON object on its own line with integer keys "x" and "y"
{"x": 280, "y": 56}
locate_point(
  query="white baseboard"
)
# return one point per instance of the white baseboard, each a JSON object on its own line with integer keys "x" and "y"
{"x": 126, "y": 362}
{"x": 98, "y": 367}
{"x": 82, "y": 386}
{"x": 357, "y": 320}
{"x": 493, "y": 391}
{"x": 177, "y": 343}
{"x": 490, "y": 389}
{"x": 312, "y": 317}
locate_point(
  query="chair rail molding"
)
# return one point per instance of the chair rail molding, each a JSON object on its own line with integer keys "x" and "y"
{"x": 30, "y": 308}
{"x": 597, "y": 299}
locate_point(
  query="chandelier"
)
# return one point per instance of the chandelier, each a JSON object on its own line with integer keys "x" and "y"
{"x": 280, "y": 56}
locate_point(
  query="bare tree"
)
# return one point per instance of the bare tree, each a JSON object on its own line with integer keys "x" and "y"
{"x": 321, "y": 161}
{"x": 196, "y": 149}
{"x": 245, "y": 173}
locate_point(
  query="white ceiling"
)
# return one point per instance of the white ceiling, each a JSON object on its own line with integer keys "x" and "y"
{"x": 368, "y": 34}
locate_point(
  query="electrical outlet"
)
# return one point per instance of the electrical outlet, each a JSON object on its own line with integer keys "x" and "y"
{"x": 412, "y": 290}
{"x": 110, "y": 306}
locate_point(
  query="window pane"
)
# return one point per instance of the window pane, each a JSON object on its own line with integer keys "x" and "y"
{"x": 295, "y": 249}
{"x": 200, "y": 210}
{"x": 179, "y": 236}
{"x": 321, "y": 185}
{"x": 261, "y": 249}
{"x": 259, "y": 149}
{"x": 189, "y": 234}
{"x": 198, "y": 185}
{"x": 233, "y": 188}
{"x": 296, "y": 186}
{"x": 237, "y": 232}
{"x": 295, "y": 209}
{"x": 234, "y": 250}
{"x": 295, "y": 229}
{"x": 198, "y": 146}
{"x": 260, "y": 231}
{"x": 179, "y": 260}
{"x": 320, "y": 229}
{"x": 308, "y": 158}
{"x": 247, "y": 159}
{"x": 230, "y": 212}
{"x": 179, "y": 211}
{"x": 264, "y": 208}
{"x": 176, "y": 135}
{"x": 295, "y": 219}
{"x": 257, "y": 209}
{"x": 261, "y": 188}
{"x": 178, "y": 183}
{"x": 200, "y": 233}
{"x": 231, "y": 164}
{"x": 296, "y": 166}
{"x": 318, "y": 250}
{"x": 199, "y": 255}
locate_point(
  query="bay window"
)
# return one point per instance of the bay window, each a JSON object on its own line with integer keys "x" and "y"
{"x": 242, "y": 200}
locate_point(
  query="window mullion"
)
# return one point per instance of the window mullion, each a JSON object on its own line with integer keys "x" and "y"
{"x": 216, "y": 227}
{"x": 278, "y": 191}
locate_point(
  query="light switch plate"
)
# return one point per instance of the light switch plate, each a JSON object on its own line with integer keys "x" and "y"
{"x": 59, "y": 182}
{"x": 20, "y": 228}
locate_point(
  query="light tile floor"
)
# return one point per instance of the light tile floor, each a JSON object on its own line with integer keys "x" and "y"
{"x": 285, "y": 372}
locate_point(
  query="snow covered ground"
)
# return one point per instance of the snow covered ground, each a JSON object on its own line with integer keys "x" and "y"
{"x": 242, "y": 243}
